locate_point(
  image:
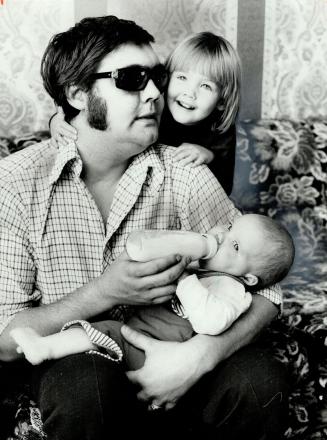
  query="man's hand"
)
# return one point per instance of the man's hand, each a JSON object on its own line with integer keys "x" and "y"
{"x": 141, "y": 283}
{"x": 193, "y": 155}
{"x": 170, "y": 369}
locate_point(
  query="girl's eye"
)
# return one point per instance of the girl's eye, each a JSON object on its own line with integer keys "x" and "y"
{"x": 229, "y": 227}
{"x": 206, "y": 86}
{"x": 181, "y": 77}
{"x": 235, "y": 244}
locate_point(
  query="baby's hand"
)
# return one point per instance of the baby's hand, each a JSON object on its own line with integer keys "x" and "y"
{"x": 61, "y": 132}
{"x": 192, "y": 155}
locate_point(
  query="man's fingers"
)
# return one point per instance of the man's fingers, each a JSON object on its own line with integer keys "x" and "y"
{"x": 135, "y": 338}
{"x": 168, "y": 276}
{"x": 164, "y": 298}
{"x": 155, "y": 266}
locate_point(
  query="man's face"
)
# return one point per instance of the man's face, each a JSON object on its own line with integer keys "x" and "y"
{"x": 128, "y": 117}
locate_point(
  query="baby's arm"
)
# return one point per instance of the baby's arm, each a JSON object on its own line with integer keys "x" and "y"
{"x": 38, "y": 349}
{"x": 61, "y": 132}
{"x": 212, "y": 304}
{"x": 193, "y": 155}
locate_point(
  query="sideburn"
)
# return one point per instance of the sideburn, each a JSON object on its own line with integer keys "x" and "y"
{"x": 97, "y": 112}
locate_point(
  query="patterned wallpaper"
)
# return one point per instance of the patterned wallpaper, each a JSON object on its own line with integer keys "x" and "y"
{"x": 295, "y": 59}
{"x": 172, "y": 20}
{"x": 25, "y": 29}
{"x": 292, "y": 54}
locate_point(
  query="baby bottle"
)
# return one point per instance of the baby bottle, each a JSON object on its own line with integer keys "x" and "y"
{"x": 148, "y": 244}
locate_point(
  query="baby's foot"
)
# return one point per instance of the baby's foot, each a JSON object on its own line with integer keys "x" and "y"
{"x": 31, "y": 344}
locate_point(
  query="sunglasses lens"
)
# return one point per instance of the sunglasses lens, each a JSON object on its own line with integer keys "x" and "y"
{"x": 135, "y": 78}
{"x": 132, "y": 78}
{"x": 160, "y": 77}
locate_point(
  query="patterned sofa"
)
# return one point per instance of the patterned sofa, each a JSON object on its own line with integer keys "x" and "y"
{"x": 280, "y": 171}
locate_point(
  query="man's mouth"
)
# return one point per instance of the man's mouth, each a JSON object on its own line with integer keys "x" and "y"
{"x": 148, "y": 116}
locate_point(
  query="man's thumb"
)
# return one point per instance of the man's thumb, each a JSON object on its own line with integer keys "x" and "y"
{"x": 136, "y": 338}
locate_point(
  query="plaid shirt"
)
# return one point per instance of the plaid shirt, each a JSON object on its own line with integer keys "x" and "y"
{"x": 52, "y": 236}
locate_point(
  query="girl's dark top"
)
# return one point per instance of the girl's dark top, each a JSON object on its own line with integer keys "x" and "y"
{"x": 221, "y": 144}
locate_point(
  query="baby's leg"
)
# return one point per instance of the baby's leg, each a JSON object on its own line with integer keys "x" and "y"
{"x": 134, "y": 357}
{"x": 158, "y": 322}
{"x": 37, "y": 348}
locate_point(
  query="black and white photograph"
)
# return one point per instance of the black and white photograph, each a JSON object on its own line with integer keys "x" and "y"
{"x": 163, "y": 219}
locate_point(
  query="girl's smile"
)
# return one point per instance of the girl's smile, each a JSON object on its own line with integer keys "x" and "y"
{"x": 191, "y": 97}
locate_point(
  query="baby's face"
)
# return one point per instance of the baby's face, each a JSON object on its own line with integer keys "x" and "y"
{"x": 191, "y": 97}
{"x": 239, "y": 247}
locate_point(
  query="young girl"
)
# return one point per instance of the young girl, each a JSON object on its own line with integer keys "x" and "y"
{"x": 202, "y": 102}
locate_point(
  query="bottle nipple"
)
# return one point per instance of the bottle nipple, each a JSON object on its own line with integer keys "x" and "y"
{"x": 212, "y": 246}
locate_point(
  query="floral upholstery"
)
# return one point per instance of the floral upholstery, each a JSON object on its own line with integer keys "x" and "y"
{"x": 280, "y": 171}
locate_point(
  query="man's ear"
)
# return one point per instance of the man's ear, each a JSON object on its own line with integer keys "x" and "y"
{"x": 76, "y": 97}
{"x": 250, "y": 279}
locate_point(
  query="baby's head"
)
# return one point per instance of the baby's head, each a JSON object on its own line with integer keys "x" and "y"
{"x": 205, "y": 80}
{"x": 255, "y": 248}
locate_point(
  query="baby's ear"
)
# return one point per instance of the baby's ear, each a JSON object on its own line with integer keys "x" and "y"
{"x": 250, "y": 279}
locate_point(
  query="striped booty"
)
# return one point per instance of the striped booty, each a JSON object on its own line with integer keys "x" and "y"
{"x": 108, "y": 348}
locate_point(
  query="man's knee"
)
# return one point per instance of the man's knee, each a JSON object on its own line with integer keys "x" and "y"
{"x": 247, "y": 394}
{"x": 81, "y": 396}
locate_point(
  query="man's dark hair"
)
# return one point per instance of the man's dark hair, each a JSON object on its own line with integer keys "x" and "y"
{"x": 72, "y": 56}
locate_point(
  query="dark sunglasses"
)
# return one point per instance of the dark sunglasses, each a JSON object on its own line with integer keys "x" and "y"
{"x": 135, "y": 78}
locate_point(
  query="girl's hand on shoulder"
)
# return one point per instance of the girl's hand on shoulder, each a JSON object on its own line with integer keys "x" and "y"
{"x": 61, "y": 132}
{"x": 193, "y": 155}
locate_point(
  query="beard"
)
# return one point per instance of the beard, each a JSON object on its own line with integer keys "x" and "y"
{"x": 97, "y": 112}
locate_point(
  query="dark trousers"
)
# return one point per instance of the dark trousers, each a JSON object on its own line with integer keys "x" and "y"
{"x": 88, "y": 397}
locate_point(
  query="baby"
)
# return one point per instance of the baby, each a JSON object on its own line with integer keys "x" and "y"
{"x": 253, "y": 253}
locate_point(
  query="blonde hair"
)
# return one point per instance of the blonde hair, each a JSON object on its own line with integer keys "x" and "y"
{"x": 215, "y": 58}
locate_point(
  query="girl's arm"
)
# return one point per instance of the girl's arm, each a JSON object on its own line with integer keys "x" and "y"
{"x": 218, "y": 154}
{"x": 223, "y": 147}
{"x": 193, "y": 155}
{"x": 61, "y": 132}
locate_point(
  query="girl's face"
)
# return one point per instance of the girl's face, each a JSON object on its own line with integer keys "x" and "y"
{"x": 191, "y": 97}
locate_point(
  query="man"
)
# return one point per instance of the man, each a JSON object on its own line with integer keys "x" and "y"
{"x": 65, "y": 217}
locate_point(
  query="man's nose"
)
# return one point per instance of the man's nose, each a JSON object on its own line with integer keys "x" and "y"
{"x": 150, "y": 92}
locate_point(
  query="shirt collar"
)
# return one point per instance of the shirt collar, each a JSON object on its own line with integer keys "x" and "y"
{"x": 148, "y": 159}
{"x": 66, "y": 154}
{"x": 142, "y": 165}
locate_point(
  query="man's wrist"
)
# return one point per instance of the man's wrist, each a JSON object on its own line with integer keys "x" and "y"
{"x": 103, "y": 293}
{"x": 208, "y": 353}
